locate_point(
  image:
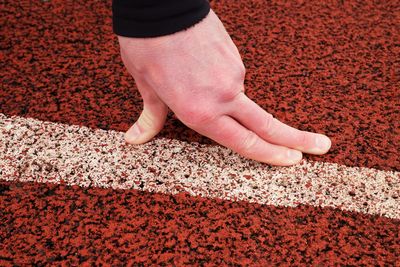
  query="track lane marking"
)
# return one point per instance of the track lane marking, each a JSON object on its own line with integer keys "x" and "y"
{"x": 34, "y": 150}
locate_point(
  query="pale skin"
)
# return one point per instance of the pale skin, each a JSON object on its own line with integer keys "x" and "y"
{"x": 198, "y": 73}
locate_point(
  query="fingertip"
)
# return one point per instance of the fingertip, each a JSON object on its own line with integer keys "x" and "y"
{"x": 292, "y": 157}
{"x": 133, "y": 133}
{"x": 322, "y": 144}
{"x": 135, "y": 136}
{"x": 130, "y": 140}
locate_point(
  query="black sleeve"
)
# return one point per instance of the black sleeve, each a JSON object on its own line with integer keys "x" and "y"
{"x": 151, "y": 18}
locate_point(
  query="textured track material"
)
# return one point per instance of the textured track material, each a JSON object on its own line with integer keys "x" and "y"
{"x": 55, "y": 224}
{"x": 326, "y": 66}
{"x": 50, "y": 152}
{"x": 330, "y": 68}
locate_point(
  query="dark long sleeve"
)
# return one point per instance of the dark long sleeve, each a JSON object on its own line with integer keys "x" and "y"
{"x": 151, "y": 18}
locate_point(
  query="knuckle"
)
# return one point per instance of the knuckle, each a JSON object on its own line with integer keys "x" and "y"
{"x": 227, "y": 94}
{"x": 302, "y": 138}
{"x": 268, "y": 127}
{"x": 147, "y": 121}
{"x": 248, "y": 143}
{"x": 195, "y": 116}
{"x": 230, "y": 84}
{"x": 241, "y": 72}
{"x": 149, "y": 97}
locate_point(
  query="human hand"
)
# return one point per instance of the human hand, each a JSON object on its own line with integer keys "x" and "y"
{"x": 198, "y": 73}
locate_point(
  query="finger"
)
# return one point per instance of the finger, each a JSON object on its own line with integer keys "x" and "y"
{"x": 151, "y": 120}
{"x": 252, "y": 116}
{"x": 229, "y": 133}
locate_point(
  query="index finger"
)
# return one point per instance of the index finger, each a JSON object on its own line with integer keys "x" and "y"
{"x": 229, "y": 133}
{"x": 256, "y": 119}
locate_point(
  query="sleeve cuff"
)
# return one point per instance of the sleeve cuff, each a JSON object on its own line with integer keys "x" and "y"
{"x": 161, "y": 18}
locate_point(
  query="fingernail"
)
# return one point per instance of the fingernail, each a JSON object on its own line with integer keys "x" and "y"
{"x": 323, "y": 143}
{"x": 294, "y": 155}
{"x": 133, "y": 133}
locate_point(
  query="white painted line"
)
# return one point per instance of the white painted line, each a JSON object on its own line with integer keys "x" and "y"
{"x": 33, "y": 150}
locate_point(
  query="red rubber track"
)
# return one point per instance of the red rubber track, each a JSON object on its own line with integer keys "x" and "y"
{"x": 58, "y": 224}
{"x": 330, "y": 67}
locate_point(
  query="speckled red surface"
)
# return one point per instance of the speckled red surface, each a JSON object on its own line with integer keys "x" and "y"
{"x": 55, "y": 223}
{"x": 330, "y": 68}
{"x": 326, "y": 67}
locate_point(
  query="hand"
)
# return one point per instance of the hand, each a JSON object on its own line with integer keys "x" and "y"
{"x": 198, "y": 73}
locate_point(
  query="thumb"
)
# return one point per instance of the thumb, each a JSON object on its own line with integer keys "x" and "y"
{"x": 150, "y": 122}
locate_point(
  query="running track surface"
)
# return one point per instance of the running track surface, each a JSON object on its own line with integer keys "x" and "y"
{"x": 71, "y": 192}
